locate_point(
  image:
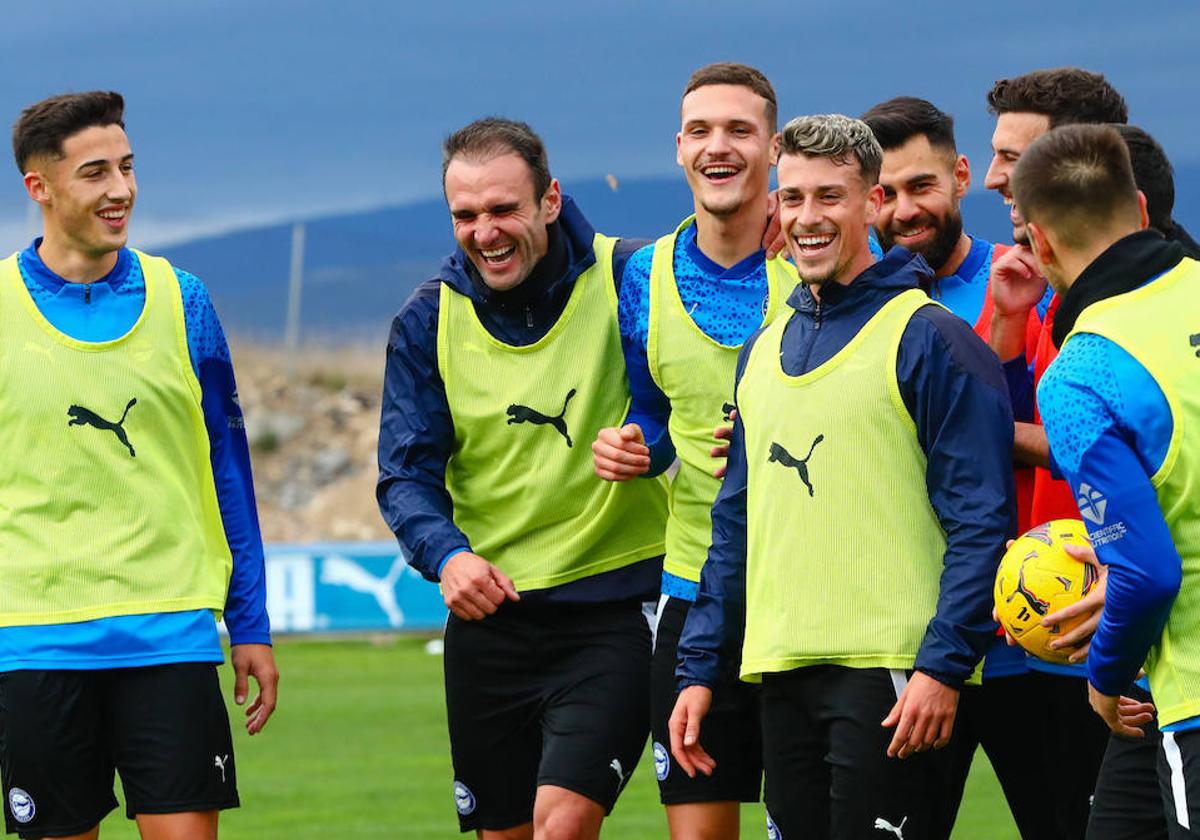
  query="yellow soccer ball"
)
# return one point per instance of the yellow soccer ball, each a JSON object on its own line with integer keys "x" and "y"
{"x": 1036, "y": 578}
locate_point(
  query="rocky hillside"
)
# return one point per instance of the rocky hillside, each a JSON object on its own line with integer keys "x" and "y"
{"x": 313, "y": 426}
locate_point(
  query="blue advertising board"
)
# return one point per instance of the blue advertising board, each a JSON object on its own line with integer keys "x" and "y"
{"x": 333, "y": 587}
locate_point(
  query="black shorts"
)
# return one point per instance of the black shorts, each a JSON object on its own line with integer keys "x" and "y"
{"x": 164, "y": 728}
{"x": 731, "y": 732}
{"x": 1129, "y": 804}
{"x": 825, "y": 757}
{"x": 545, "y": 695}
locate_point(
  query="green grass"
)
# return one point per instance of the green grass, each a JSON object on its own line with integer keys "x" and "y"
{"x": 358, "y": 748}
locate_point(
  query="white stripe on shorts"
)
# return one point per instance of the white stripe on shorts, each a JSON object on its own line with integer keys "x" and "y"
{"x": 653, "y": 616}
{"x": 1178, "y": 784}
{"x": 899, "y": 682}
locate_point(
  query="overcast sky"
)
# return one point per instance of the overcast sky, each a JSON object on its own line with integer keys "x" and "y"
{"x": 249, "y": 112}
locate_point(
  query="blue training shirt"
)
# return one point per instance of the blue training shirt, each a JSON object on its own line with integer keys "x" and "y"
{"x": 1109, "y": 427}
{"x": 101, "y": 311}
{"x": 727, "y": 304}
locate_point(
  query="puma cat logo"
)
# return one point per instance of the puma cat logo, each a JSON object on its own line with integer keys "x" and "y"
{"x": 81, "y": 416}
{"x": 525, "y": 414}
{"x": 727, "y": 411}
{"x": 883, "y": 825}
{"x": 782, "y": 456}
{"x": 1195, "y": 340}
{"x": 1035, "y": 603}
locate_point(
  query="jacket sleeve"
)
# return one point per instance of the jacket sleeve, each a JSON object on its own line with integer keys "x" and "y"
{"x": 229, "y": 453}
{"x": 711, "y": 641}
{"x": 416, "y": 436}
{"x": 956, "y": 393}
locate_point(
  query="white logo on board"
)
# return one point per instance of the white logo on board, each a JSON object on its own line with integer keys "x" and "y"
{"x": 340, "y": 571}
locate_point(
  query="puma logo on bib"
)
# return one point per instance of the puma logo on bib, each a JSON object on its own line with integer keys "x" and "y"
{"x": 524, "y": 414}
{"x": 781, "y": 456}
{"x": 81, "y": 416}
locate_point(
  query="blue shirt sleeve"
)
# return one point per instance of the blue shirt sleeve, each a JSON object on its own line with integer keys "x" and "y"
{"x": 649, "y": 406}
{"x": 711, "y": 640}
{"x": 1109, "y": 428}
{"x": 416, "y": 437}
{"x": 953, "y": 387}
{"x": 246, "y": 605}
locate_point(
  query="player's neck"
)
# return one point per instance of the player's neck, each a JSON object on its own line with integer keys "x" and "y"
{"x": 727, "y": 240}
{"x": 73, "y": 265}
{"x": 954, "y": 262}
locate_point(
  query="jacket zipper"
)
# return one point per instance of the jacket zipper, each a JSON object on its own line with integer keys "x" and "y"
{"x": 529, "y": 317}
{"x": 87, "y": 292}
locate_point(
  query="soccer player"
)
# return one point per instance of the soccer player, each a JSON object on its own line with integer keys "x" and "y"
{"x": 500, "y": 370}
{"x": 687, "y": 304}
{"x": 1026, "y": 107}
{"x": 924, "y": 178}
{"x": 129, "y": 520}
{"x": 1127, "y": 798}
{"x": 1120, "y": 405}
{"x": 859, "y": 525}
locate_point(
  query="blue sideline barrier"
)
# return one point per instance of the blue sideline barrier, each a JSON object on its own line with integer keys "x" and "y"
{"x": 335, "y": 587}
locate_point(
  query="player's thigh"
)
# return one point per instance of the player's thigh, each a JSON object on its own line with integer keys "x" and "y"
{"x": 1128, "y": 804}
{"x": 194, "y": 825}
{"x": 54, "y": 759}
{"x": 169, "y": 733}
{"x": 797, "y": 778}
{"x": 1070, "y": 727}
{"x": 730, "y": 733}
{"x": 1179, "y": 783}
{"x": 597, "y": 715}
{"x": 495, "y": 688}
{"x": 871, "y": 794}
{"x": 1013, "y": 745}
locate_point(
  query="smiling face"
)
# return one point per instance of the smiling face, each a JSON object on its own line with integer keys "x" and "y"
{"x": 1014, "y": 132}
{"x": 825, "y": 208}
{"x": 922, "y": 187}
{"x": 725, "y": 147}
{"x": 87, "y": 194}
{"x": 498, "y": 222}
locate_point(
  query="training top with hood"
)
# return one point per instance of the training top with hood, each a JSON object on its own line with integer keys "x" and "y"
{"x": 416, "y": 435}
{"x": 954, "y": 390}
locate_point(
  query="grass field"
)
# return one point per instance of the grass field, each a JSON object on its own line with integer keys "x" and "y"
{"x": 357, "y": 748}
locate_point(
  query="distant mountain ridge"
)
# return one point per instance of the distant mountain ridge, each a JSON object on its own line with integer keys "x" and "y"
{"x": 361, "y": 267}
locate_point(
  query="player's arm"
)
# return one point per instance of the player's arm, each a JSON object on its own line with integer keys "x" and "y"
{"x": 416, "y": 436}
{"x": 1109, "y": 427}
{"x": 712, "y": 634}
{"x": 954, "y": 390}
{"x": 229, "y": 453}
{"x": 641, "y": 446}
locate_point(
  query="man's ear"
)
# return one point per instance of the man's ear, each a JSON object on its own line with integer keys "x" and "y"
{"x": 552, "y": 201}
{"x": 1039, "y": 242}
{"x": 874, "y": 202}
{"x": 776, "y": 145}
{"x": 1142, "y": 208}
{"x": 962, "y": 176}
{"x": 35, "y": 185}
{"x": 678, "y": 143}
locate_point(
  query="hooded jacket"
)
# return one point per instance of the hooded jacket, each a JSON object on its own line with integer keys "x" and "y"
{"x": 955, "y": 392}
{"x": 416, "y": 434}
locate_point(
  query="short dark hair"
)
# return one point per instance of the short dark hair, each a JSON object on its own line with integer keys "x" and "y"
{"x": 898, "y": 120}
{"x": 1064, "y": 94}
{"x": 742, "y": 75}
{"x": 491, "y": 137}
{"x": 43, "y": 127}
{"x": 838, "y": 137}
{"x": 1075, "y": 180}
{"x": 1152, "y": 173}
